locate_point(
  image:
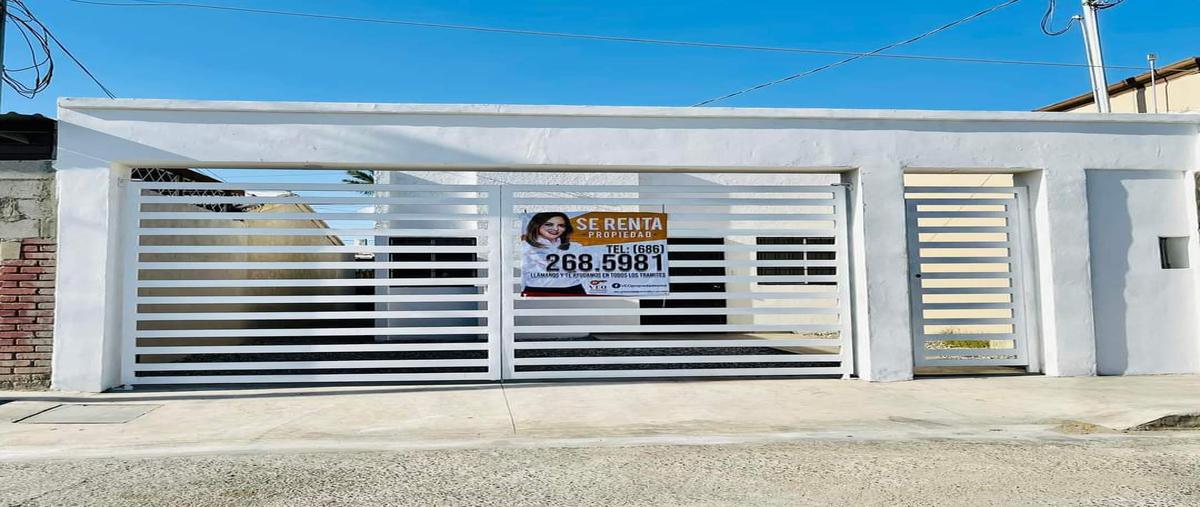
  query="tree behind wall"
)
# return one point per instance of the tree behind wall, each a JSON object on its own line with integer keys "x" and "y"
{"x": 359, "y": 177}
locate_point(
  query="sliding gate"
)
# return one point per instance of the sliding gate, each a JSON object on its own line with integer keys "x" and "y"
{"x": 758, "y": 286}
{"x": 315, "y": 282}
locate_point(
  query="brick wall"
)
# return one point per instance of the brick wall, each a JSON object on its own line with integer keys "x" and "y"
{"x": 27, "y": 262}
{"x": 27, "y": 315}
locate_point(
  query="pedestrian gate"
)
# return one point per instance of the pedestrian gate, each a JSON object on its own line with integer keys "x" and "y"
{"x": 966, "y": 268}
{"x": 314, "y": 282}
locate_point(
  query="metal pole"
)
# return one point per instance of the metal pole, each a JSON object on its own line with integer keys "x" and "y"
{"x": 3, "y": 21}
{"x": 1091, "y": 40}
{"x": 1153, "y": 59}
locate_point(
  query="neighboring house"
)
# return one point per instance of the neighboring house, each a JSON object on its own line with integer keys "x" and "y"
{"x": 1176, "y": 86}
{"x": 27, "y": 249}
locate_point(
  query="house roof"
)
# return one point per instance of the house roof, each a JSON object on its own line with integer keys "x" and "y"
{"x": 27, "y": 137}
{"x": 1178, "y": 69}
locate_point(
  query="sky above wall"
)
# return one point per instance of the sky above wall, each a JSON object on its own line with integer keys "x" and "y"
{"x": 158, "y": 52}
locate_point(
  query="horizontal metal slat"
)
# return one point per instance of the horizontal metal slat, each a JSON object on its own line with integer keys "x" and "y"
{"x": 232, "y": 249}
{"x": 329, "y": 331}
{"x": 789, "y": 216}
{"x": 965, "y": 244}
{"x": 713, "y": 232}
{"x": 311, "y": 378}
{"x": 678, "y": 189}
{"x": 397, "y": 314}
{"x": 682, "y": 328}
{"x": 698, "y": 295}
{"x": 654, "y": 200}
{"x": 311, "y": 365}
{"x": 969, "y": 352}
{"x": 966, "y": 306}
{"x": 966, "y": 290}
{"x": 1019, "y": 361}
{"x": 960, "y": 190}
{"x": 966, "y": 336}
{"x": 741, "y": 247}
{"x": 407, "y": 298}
{"x": 923, "y": 201}
{"x": 316, "y": 282}
{"x": 315, "y": 215}
{"x": 968, "y": 275}
{"x": 309, "y": 199}
{"x": 311, "y": 265}
{"x": 756, "y": 278}
{"x": 965, "y": 230}
{"x": 692, "y": 372}
{"x": 757, "y": 358}
{"x": 965, "y": 260}
{"x": 293, "y": 185}
{"x": 583, "y": 312}
{"x": 301, "y": 349}
{"x": 934, "y": 321}
{"x": 962, "y": 214}
{"x": 797, "y": 263}
{"x": 645, "y": 344}
{"x": 308, "y": 231}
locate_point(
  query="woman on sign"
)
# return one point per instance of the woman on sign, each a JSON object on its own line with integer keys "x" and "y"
{"x": 547, "y": 239}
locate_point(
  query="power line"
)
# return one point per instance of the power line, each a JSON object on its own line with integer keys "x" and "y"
{"x": 584, "y": 36}
{"x": 81, "y": 66}
{"x": 1048, "y": 19}
{"x": 838, "y": 63}
{"x": 1051, "y": 5}
{"x": 37, "y": 40}
{"x": 38, "y": 36}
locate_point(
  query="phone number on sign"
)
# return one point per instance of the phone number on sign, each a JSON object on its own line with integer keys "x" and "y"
{"x": 608, "y": 262}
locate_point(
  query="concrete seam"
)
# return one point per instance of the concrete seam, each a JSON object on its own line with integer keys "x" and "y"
{"x": 40, "y": 412}
{"x": 511, "y": 420}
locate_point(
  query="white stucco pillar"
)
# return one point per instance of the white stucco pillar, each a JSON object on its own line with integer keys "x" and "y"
{"x": 879, "y": 269}
{"x": 87, "y": 294}
{"x": 1062, "y": 256}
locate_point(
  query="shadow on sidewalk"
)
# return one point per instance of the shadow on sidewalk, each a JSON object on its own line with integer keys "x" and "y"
{"x": 301, "y": 390}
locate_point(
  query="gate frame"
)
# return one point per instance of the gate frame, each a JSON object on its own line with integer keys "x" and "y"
{"x": 845, "y": 294}
{"x": 1024, "y": 278}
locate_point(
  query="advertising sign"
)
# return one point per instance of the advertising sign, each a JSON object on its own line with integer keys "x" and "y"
{"x": 595, "y": 253}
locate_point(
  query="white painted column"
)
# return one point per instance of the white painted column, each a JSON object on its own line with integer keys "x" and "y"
{"x": 87, "y": 314}
{"x": 1191, "y": 187}
{"x": 1062, "y": 255}
{"x": 879, "y": 272}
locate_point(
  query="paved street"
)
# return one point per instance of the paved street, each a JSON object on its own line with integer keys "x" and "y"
{"x": 1150, "y": 470}
{"x": 968, "y": 441}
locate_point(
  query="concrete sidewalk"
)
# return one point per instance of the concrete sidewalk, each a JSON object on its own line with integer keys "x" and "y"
{"x": 393, "y": 417}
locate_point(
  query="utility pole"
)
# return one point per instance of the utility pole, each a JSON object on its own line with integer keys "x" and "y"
{"x": 1091, "y": 40}
{"x": 3, "y": 21}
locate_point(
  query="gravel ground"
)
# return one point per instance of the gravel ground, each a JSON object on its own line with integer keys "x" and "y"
{"x": 1094, "y": 471}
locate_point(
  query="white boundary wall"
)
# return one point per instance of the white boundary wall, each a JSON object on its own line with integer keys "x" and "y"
{"x": 1051, "y": 153}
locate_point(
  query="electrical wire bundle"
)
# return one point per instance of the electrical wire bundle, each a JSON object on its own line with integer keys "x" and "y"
{"x": 37, "y": 39}
{"x": 1048, "y": 17}
{"x": 40, "y": 41}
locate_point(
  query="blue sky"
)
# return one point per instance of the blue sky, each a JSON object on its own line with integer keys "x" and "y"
{"x": 180, "y": 53}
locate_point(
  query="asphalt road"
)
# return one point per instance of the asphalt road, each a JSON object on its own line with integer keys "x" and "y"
{"x": 1153, "y": 470}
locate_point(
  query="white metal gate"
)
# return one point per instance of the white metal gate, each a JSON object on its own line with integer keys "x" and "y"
{"x": 759, "y": 286}
{"x": 255, "y": 282}
{"x": 266, "y": 282}
{"x": 966, "y": 269}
